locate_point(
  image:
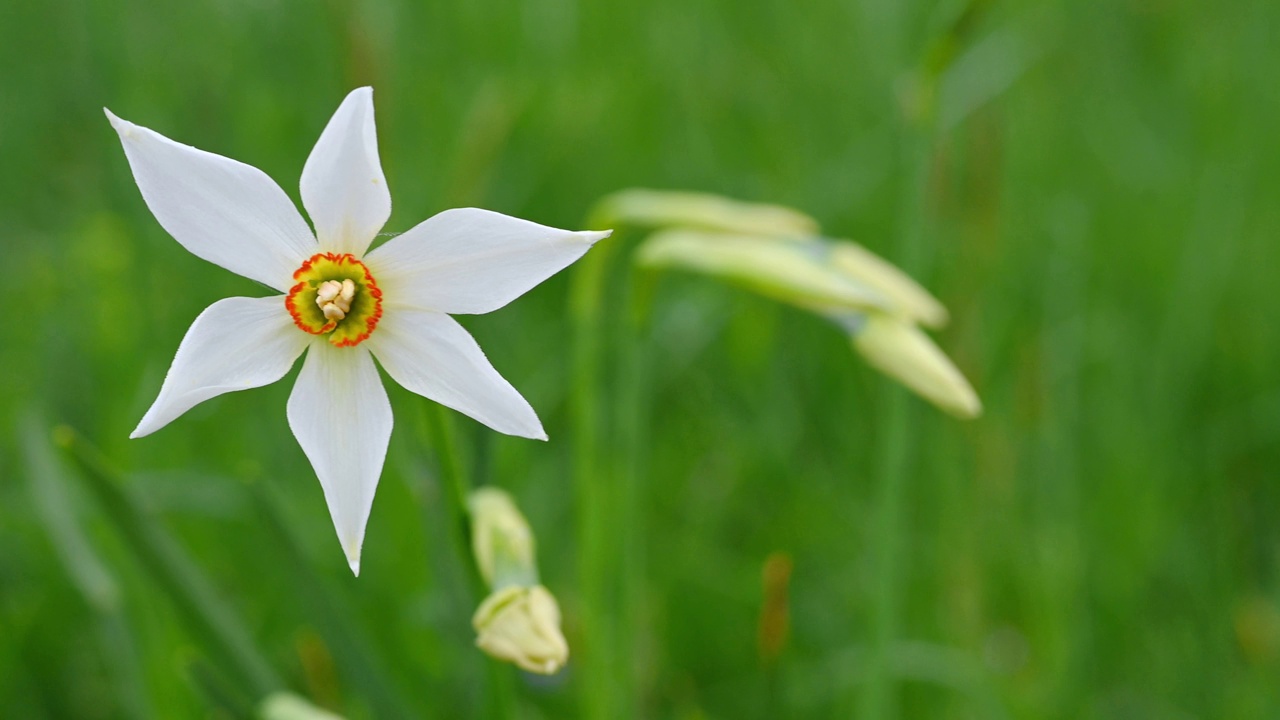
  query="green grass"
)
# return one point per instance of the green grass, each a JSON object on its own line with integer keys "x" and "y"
{"x": 1097, "y": 209}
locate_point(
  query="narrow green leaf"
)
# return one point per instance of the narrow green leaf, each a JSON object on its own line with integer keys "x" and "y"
{"x": 213, "y": 621}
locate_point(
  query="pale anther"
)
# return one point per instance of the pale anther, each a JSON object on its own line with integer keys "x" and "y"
{"x": 328, "y": 291}
{"x": 334, "y": 298}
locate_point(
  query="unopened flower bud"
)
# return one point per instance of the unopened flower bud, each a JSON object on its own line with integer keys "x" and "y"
{"x": 702, "y": 211}
{"x": 793, "y": 271}
{"x": 522, "y": 625}
{"x": 520, "y": 621}
{"x": 287, "y": 706}
{"x": 906, "y": 297}
{"x": 902, "y": 351}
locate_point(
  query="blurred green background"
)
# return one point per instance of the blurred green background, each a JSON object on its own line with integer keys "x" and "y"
{"x": 1096, "y": 204}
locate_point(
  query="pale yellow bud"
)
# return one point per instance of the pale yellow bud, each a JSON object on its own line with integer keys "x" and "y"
{"x": 522, "y": 625}
{"x": 287, "y": 706}
{"x": 501, "y": 539}
{"x": 906, "y": 297}
{"x": 793, "y": 271}
{"x": 702, "y": 211}
{"x": 902, "y": 351}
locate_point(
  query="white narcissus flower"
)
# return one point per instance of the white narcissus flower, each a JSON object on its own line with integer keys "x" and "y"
{"x": 340, "y": 304}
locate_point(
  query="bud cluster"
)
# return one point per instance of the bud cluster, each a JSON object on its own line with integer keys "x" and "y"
{"x": 778, "y": 252}
{"x": 520, "y": 620}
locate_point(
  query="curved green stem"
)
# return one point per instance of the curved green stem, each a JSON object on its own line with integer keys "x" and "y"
{"x": 601, "y": 658}
{"x": 879, "y": 699}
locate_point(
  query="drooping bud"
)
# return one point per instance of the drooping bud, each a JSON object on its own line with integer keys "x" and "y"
{"x": 906, "y": 297}
{"x": 701, "y": 211}
{"x": 793, "y": 271}
{"x": 902, "y": 351}
{"x": 776, "y": 252}
{"x": 522, "y": 625}
{"x": 520, "y": 621}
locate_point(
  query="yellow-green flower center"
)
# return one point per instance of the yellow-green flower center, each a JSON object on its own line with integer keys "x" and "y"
{"x": 335, "y": 295}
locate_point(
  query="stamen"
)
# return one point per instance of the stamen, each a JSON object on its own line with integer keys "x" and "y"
{"x": 334, "y": 298}
{"x": 327, "y": 291}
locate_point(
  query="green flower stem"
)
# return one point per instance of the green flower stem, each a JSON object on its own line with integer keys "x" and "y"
{"x": 443, "y": 431}
{"x": 878, "y": 698}
{"x": 502, "y": 700}
{"x": 597, "y": 652}
{"x": 192, "y": 593}
{"x": 442, "y": 428}
{"x": 633, "y": 424}
{"x": 331, "y": 611}
{"x": 879, "y": 701}
{"x": 215, "y": 689}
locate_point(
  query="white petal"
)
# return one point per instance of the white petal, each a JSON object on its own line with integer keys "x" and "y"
{"x": 343, "y": 188}
{"x": 340, "y": 414}
{"x": 473, "y": 261}
{"x": 235, "y": 344}
{"x": 432, "y": 355}
{"x": 223, "y": 211}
